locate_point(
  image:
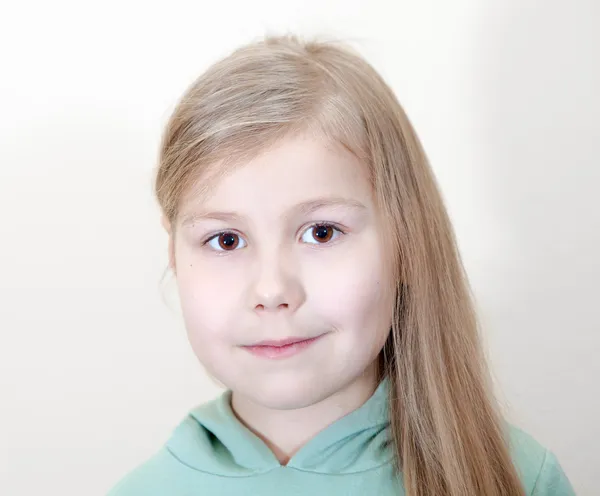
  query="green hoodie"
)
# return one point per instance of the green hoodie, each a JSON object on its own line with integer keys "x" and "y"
{"x": 212, "y": 454}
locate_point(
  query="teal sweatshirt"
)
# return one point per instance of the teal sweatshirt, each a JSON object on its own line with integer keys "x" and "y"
{"x": 211, "y": 453}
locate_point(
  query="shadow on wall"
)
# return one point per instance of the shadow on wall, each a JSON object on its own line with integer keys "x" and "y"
{"x": 537, "y": 96}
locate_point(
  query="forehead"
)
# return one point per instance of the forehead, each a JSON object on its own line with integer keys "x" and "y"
{"x": 293, "y": 171}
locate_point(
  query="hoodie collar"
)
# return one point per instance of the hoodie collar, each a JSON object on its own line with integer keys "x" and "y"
{"x": 212, "y": 439}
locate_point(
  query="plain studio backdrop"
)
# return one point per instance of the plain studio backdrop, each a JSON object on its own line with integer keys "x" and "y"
{"x": 95, "y": 368}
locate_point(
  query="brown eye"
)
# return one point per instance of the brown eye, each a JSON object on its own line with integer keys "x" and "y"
{"x": 226, "y": 241}
{"x": 320, "y": 234}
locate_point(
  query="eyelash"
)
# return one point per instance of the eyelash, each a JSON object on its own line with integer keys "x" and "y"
{"x": 311, "y": 226}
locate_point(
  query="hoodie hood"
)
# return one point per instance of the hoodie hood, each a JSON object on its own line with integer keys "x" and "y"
{"x": 211, "y": 439}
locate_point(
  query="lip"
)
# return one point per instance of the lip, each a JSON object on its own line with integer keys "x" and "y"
{"x": 282, "y": 348}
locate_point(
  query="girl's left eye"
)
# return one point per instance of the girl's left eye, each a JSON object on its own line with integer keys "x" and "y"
{"x": 321, "y": 234}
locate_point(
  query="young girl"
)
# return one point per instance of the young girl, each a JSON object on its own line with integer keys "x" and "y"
{"x": 320, "y": 282}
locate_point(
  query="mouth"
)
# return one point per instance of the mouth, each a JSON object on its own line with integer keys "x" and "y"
{"x": 281, "y": 348}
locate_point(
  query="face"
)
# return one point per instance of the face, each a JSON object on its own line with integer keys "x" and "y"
{"x": 288, "y": 245}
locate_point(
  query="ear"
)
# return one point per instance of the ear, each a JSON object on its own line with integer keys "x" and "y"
{"x": 167, "y": 226}
{"x": 165, "y": 223}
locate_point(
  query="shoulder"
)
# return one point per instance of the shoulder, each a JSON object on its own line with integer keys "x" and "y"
{"x": 182, "y": 462}
{"x": 538, "y": 467}
{"x": 148, "y": 479}
{"x": 163, "y": 473}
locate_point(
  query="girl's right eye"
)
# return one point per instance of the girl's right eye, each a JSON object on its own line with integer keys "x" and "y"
{"x": 226, "y": 241}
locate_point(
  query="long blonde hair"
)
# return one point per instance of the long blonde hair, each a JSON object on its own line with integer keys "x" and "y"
{"x": 447, "y": 432}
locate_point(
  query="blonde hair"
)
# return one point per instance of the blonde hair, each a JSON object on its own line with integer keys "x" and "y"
{"x": 447, "y": 432}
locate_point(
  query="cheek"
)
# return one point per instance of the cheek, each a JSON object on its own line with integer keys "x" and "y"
{"x": 210, "y": 296}
{"x": 355, "y": 297}
{"x": 209, "y": 303}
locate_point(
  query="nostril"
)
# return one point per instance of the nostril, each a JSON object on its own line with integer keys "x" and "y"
{"x": 262, "y": 308}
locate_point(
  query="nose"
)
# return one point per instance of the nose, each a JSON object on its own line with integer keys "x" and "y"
{"x": 276, "y": 286}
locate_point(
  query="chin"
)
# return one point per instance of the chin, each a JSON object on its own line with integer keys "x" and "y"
{"x": 285, "y": 394}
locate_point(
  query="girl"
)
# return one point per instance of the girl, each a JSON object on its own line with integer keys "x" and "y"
{"x": 320, "y": 282}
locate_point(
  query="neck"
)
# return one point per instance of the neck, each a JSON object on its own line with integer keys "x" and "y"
{"x": 286, "y": 431}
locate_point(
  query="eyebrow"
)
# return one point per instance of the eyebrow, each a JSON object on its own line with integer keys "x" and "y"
{"x": 304, "y": 208}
